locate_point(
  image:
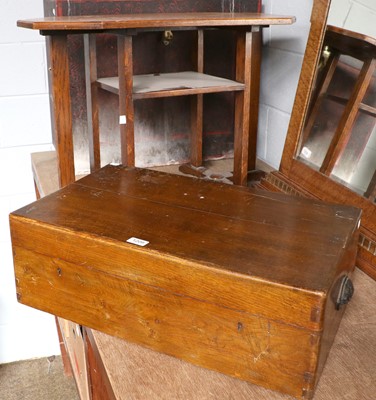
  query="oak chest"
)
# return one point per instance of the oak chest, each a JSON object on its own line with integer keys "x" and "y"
{"x": 249, "y": 283}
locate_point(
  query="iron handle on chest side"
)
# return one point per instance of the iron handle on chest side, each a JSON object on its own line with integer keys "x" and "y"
{"x": 343, "y": 291}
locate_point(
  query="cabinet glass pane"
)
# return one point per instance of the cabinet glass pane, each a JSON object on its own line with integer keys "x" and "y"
{"x": 354, "y": 159}
{"x": 358, "y": 161}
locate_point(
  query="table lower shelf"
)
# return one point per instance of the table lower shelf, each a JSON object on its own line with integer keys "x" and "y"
{"x": 173, "y": 84}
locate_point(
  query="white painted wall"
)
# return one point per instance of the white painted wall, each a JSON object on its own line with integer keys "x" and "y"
{"x": 24, "y": 128}
{"x": 281, "y": 64}
{"x": 355, "y": 15}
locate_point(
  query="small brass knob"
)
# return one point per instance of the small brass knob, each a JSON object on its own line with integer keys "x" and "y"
{"x": 167, "y": 37}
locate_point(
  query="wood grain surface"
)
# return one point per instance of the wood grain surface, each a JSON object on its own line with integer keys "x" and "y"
{"x": 214, "y": 224}
{"x": 134, "y": 21}
{"x": 61, "y": 118}
{"x": 235, "y": 280}
{"x": 142, "y": 374}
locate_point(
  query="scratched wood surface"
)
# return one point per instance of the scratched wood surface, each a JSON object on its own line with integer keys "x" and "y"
{"x": 349, "y": 372}
{"x": 145, "y": 20}
{"x": 235, "y": 280}
{"x": 198, "y": 221}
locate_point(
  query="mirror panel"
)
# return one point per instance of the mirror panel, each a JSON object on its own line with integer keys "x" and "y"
{"x": 339, "y": 134}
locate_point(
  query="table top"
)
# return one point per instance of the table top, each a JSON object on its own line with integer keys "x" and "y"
{"x": 155, "y": 20}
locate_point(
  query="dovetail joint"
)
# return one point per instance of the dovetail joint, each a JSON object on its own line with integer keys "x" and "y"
{"x": 307, "y": 394}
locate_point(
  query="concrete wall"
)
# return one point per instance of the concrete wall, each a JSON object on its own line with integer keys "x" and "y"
{"x": 24, "y": 128}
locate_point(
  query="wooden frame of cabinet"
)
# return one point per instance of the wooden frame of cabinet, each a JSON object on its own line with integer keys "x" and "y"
{"x": 300, "y": 176}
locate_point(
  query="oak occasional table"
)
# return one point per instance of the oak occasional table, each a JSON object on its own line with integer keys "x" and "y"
{"x": 248, "y": 28}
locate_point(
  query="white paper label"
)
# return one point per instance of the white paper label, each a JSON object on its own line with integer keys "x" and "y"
{"x": 137, "y": 241}
{"x": 306, "y": 152}
{"x": 122, "y": 120}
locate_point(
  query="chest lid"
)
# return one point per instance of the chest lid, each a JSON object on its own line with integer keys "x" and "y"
{"x": 250, "y": 233}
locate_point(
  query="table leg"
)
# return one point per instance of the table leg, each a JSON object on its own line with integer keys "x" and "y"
{"x": 254, "y": 96}
{"x": 92, "y": 101}
{"x": 61, "y": 113}
{"x": 126, "y": 108}
{"x": 246, "y": 103}
{"x": 197, "y": 107}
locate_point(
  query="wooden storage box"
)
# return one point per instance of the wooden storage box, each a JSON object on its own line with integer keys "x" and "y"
{"x": 248, "y": 283}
